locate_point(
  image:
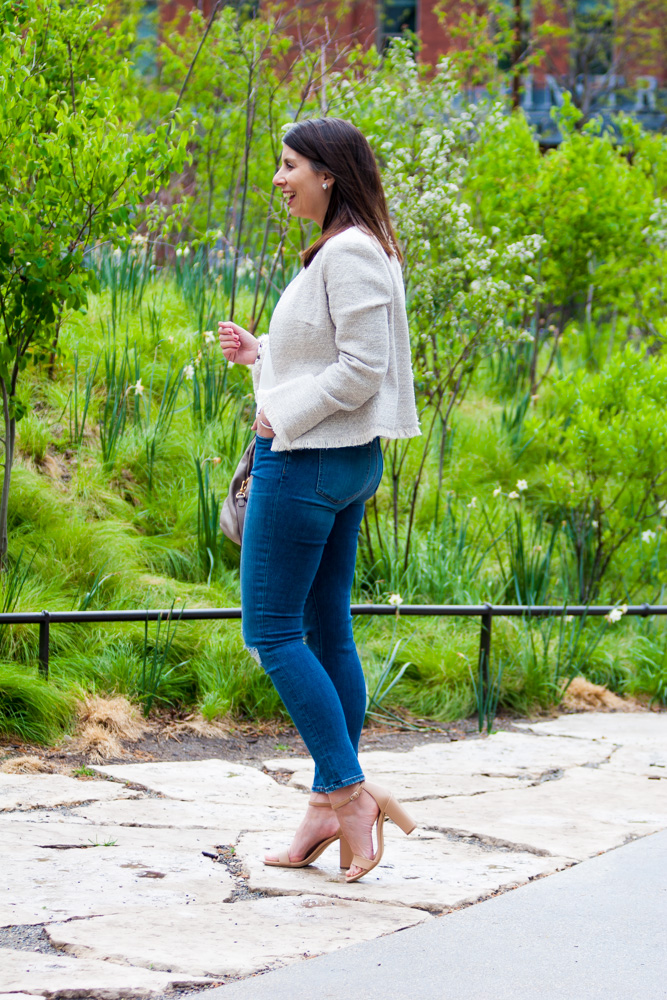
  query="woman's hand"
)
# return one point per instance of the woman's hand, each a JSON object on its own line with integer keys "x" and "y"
{"x": 263, "y": 431}
{"x": 237, "y": 344}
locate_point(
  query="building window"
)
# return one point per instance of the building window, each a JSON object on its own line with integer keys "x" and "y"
{"x": 593, "y": 37}
{"x": 395, "y": 18}
{"x": 148, "y": 28}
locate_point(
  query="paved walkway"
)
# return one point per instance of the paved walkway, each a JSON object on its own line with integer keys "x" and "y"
{"x": 594, "y": 932}
{"x": 142, "y": 887}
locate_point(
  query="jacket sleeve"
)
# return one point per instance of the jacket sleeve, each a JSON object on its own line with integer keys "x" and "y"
{"x": 256, "y": 369}
{"x": 359, "y": 291}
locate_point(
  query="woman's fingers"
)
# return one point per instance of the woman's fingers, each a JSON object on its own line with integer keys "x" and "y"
{"x": 228, "y": 335}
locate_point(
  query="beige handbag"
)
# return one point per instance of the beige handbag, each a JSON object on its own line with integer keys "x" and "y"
{"x": 232, "y": 515}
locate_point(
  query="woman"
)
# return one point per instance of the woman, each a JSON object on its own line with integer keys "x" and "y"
{"x": 332, "y": 376}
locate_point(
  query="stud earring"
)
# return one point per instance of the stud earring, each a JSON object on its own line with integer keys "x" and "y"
{"x": 325, "y": 186}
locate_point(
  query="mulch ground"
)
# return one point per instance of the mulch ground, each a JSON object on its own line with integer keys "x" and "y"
{"x": 249, "y": 743}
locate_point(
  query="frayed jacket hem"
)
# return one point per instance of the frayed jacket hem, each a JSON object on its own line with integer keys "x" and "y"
{"x": 344, "y": 440}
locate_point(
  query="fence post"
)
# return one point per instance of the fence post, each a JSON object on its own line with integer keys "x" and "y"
{"x": 484, "y": 661}
{"x": 43, "y": 655}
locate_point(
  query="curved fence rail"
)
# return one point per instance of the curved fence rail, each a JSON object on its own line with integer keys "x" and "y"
{"x": 485, "y": 612}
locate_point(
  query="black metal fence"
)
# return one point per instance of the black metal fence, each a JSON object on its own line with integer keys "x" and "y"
{"x": 485, "y": 612}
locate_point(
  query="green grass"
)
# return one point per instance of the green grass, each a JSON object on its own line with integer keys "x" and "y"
{"x": 30, "y": 708}
{"x": 132, "y": 532}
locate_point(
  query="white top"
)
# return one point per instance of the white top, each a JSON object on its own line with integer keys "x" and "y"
{"x": 340, "y": 362}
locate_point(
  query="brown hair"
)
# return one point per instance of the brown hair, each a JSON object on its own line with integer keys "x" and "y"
{"x": 357, "y": 198}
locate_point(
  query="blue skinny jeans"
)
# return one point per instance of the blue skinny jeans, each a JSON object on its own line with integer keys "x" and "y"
{"x": 297, "y": 567}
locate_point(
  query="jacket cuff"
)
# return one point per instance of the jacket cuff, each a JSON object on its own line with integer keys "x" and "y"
{"x": 296, "y": 407}
{"x": 256, "y": 368}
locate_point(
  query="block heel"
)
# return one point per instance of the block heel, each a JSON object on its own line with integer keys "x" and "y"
{"x": 346, "y": 854}
{"x": 397, "y": 814}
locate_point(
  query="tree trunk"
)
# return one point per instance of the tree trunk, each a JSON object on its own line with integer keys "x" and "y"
{"x": 9, "y": 441}
{"x": 516, "y": 55}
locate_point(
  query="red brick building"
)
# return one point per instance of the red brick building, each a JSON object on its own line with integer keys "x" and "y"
{"x": 582, "y": 60}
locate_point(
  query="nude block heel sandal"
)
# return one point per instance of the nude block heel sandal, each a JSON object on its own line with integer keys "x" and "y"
{"x": 283, "y": 860}
{"x": 346, "y": 854}
{"x": 388, "y": 806}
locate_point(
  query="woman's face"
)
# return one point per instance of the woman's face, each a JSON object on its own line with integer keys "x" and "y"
{"x": 302, "y": 188}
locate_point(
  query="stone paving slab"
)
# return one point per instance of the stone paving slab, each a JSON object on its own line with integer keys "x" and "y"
{"x": 583, "y": 813}
{"x": 42, "y": 883}
{"x": 21, "y": 996}
{"x": 650, "y": 762}
{"x": 506, "y": 760}
{"x": 231, "y": 940}
{"x": 55, "y": 976}
{"x": 637, "y": 728}
{"x": 30, "y": 791}
{"x": 427, "y": 785}
{"x": 47, "y": 816}
{"x": 14, "y": 835}
{"x": 227, "y": 819}
{"x": 204, "y": 781}
{"x": 432, "y": 872}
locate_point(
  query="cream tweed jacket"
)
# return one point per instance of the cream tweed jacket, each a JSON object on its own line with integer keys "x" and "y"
{"x": 340, "y": 351}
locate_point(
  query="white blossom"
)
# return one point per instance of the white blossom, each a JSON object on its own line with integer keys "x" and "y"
{"x": 662, "y": 508}
{"x": 395, "y": 599}
{"x": 138, "y": 388}
{"x": 189, "y": 371}
{"x": 473, "y": 502}
{"x": 497, "y": 491}
{"x": 521, "y": 485}
{"x": 616, "y": 614}
{"x": 648, "y": 535}
{"x": 209, "y": 337}
{"x": 513, "y": 495}
{"x": 245, "y": 269}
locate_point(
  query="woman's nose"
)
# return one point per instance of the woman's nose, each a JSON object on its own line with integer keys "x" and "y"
{"x": 278, "y": 180}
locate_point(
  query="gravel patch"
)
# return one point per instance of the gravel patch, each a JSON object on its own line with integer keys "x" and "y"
{"x": 27, "y": 937}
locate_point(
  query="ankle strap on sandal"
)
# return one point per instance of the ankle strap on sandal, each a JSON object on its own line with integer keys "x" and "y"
{"x": 318, "y": 804}
{"x": 350, "y": 798}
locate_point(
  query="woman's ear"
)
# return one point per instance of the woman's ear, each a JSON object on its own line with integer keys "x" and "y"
{"x": 329, "y": 180}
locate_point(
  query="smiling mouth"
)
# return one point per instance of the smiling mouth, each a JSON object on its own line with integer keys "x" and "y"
{"x": 289, "y": 198}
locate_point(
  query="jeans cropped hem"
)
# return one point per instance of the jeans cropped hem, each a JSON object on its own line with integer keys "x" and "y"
{"x": 338, "y": 784}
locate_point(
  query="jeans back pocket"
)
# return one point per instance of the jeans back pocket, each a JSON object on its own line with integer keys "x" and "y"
{"x": 345, "y": 473}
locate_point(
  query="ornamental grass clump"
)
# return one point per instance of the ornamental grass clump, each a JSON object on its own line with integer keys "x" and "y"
{"x": 31, "y": 709}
